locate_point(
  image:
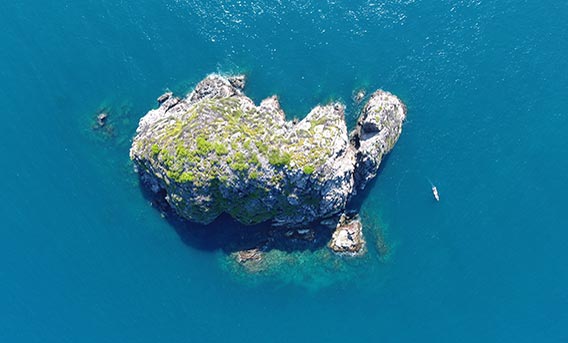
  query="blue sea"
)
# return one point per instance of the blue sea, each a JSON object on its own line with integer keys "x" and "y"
{"x": 84, "y": 257}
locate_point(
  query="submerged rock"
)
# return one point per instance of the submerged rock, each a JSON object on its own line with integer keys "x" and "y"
{"x": 250, "y": 259}
{"x": 101, "y": 119}
{"x": 102, "y": 126}
{"x": 215, "y": 151}
{"x": 359, "y": 95}
{"x": 162, "y": 98}
{"x": 348, "y": 236}
{"x": 244, "y": 256}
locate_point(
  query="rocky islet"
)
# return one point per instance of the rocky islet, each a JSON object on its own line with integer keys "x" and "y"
{"x": 216, "y": 152}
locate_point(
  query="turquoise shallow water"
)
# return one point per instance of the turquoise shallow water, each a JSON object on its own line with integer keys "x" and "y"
{"x": 84, "y": 257}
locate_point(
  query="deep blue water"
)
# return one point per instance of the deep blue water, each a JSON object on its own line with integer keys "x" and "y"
{"x": 85, "y": 258}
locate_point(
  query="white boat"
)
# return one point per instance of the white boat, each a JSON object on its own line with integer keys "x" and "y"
{"x": 435, "y": 192}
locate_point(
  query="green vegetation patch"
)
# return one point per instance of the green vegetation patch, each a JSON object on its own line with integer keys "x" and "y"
{"x": 308, "y": 170}
{"x": 155, "y": 150}
{"x": 220, "y": 149}
{"x": 278, "y": 158}
{"x": 203, "y": 145}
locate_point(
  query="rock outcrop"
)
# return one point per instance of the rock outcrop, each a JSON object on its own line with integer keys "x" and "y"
{"x": 215, "y": 151}
{"x": 348, "y": 236}
{"x": 378, "y": 129}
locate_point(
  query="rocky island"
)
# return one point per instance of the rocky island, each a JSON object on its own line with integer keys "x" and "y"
{"x": 215, "y": 151}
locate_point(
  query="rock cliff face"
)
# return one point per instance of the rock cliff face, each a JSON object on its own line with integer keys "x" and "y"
{"x": 378, "y": 129}
{"x": 215, "y": 151}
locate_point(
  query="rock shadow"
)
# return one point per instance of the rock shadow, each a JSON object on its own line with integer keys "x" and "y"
{"x": 357, "y": 200}
{"x": 227, "y": 234}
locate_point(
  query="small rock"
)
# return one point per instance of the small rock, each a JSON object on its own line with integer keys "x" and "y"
{"x": 359, "y": 96}
{"x": 252, "y": 260}
{"x": 101, "y": 119}
{"x": 237, "y": 81}
{"x": 348, "y": 236}
{"x": 164, "y": 97}
{"x": 170, "y": 102}
{"x": 249, "y": 255}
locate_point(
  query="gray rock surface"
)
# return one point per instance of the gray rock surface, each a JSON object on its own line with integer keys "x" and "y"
{"x": 348, "y": 236}
{"x": 377, "y": 131}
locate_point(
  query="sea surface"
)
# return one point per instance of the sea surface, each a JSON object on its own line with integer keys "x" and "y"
{"x": 84, "y": 257}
